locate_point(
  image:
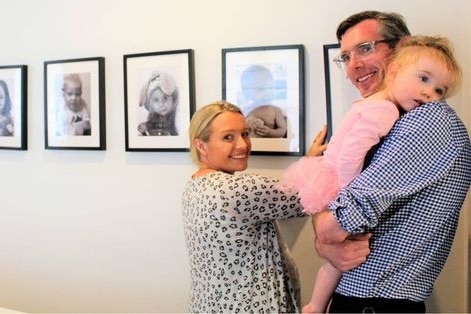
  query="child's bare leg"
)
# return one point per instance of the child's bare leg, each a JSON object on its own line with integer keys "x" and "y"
{"x": 326, "y": 281}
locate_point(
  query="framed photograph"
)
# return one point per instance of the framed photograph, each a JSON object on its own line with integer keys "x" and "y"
{"x": 74, "y": 97}
{"x": 13, "y": 107}
{"x": 339, "y": 91}
{"x": 159, "y": 98}
{"x": 267, "y": 83}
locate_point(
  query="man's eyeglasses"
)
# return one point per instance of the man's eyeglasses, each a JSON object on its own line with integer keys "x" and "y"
{"x": 361, "y": 50}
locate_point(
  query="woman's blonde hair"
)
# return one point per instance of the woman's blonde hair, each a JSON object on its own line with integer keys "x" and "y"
{"x": 200, "y": 124}
{"x": 411, "y": 48}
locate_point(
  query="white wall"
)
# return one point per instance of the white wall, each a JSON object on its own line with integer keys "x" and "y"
{"x": 84, "y": 231}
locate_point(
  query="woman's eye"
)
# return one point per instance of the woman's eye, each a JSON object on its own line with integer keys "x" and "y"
{"x": 228, "y": 137}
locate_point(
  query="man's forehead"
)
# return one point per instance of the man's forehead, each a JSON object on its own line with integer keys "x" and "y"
{"x": 367, "y": 30}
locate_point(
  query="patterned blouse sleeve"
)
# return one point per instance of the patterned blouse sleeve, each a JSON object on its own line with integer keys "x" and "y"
{"x": 254, "y": 197}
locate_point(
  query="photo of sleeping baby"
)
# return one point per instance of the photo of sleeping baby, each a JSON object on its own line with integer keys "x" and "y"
{"x": 261, "y": 99}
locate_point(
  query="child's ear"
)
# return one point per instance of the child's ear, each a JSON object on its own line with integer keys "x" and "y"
{"x": 393, "y": 68}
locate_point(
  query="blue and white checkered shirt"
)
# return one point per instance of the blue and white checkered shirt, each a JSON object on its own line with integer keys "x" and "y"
{"x": 410, "y": 198}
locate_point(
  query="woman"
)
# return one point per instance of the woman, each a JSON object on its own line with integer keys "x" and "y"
{"x": 238, "y": 261}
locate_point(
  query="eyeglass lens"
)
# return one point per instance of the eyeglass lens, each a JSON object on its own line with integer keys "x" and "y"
{"x": 361, "y": 50}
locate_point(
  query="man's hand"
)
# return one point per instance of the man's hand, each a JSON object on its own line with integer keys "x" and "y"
{"x": 345, "y": 255}
{"x": 334, "y": 244}
{"x": 318, "y": 146}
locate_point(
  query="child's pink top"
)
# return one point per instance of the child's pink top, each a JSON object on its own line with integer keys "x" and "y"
{"x": 318, "y": 180}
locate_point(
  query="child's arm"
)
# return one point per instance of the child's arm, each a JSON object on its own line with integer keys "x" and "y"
{"x": 373, "y": 122}
{"x": 81, "y": 123}
{"x": 279, "y": 126}
{"x": 326, "y": 281}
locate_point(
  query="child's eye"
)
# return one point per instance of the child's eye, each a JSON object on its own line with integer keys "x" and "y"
{"x": 424, "y": 78}
{"x": 440, "y": 91}
{"x": 245, "y": 134}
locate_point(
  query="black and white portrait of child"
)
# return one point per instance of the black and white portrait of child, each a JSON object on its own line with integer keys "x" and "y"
{"x": 159, "y": 96}
{"x": 263, "y": 116}
{"x": 73, "y": 114}
{"x": 6, "y": 121}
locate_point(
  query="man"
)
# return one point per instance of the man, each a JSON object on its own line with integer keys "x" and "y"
{"x": 409, "y": 197}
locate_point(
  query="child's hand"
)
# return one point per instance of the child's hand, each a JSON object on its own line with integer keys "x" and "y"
{"x": 142, "y": 129}
{"x": 262, "y": 131}
{"x": 81, "y": 127}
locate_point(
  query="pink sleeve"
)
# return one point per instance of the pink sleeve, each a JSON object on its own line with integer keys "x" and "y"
{"x": 373, "y": 122}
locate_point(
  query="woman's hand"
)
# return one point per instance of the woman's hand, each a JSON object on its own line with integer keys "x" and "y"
{"x": 318, "y": 146}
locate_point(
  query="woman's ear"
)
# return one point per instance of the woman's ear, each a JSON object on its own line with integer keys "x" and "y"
{"x": 201, "y": 147}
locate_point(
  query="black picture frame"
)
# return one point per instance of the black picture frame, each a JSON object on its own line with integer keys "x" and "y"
{"x": 13, "y": 108}
{"x": 68, "y": 127}
{"x": 242, "y": 67}
{"x": 339, "y": 91}
{"x": 158, "y": 75}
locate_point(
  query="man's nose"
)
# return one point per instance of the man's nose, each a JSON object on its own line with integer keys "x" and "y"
{"x": 354, "y": 62}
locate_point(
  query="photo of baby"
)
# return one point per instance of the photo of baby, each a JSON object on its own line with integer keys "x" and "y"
{"x": 73, "y": 113}
{"x": 259, "y": 91}
{"x": 6, "y": 121}
{"x": 159, "y": 96}
{"x": 267, "y": 83}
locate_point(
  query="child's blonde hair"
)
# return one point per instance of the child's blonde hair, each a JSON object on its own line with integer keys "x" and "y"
{"x": 411, "y": 48}
{"x": 72, "y": 77}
